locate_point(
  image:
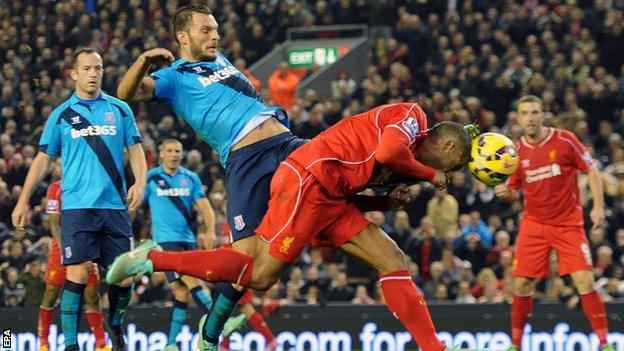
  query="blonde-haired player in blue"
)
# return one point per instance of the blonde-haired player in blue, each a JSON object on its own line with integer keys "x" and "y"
{"x": 171, "y": 192}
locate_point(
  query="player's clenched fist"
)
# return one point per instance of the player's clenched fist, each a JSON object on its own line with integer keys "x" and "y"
{"x": 439, "y": 181}
{"x": 502, "y": 191}
{"x": 18, "y": 217}
{"x": 158, "y": 56}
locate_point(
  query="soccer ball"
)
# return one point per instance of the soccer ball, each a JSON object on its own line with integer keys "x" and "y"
{"x": 493, "y": 158}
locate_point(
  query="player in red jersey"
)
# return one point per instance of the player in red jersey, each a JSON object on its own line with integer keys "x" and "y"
{"x": 314, "y": 200}
{"x": 550, "y": 159}
{"x": 55, "y": 277}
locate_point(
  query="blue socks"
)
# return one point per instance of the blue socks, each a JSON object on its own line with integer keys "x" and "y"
{"x": 178, "y": 315}
{"x": 202, "y": 299}
{"x": 222, "y": 308}
{"x": 118, "y": 299}
{"x": 71, "y": 309}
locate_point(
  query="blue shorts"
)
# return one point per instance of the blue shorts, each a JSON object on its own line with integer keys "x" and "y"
{"x": 176, "y": 246}
{"x": 248, "y": 179}
{"x": 97, "y": 235}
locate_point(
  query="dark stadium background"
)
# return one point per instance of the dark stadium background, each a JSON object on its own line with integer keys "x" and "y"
{"x": 460, "y": 60}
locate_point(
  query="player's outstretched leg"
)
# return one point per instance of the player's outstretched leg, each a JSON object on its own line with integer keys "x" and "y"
{"x": 374, "y": 247}
{"x": 218, "y": 265}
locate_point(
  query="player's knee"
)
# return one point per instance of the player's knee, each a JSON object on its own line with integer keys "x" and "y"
{"x": 584, "y": 281}
{"x": 524, "y": 286}
{"x": 400, "y": 261}
{"x": 263, "y": 283}
{"x": 78, "y": 273}
{"x": 263, "y": 278}
{"x": 394, "y": 260}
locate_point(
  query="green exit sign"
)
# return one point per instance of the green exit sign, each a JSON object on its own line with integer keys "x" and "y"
{"x": 306, "y": 57}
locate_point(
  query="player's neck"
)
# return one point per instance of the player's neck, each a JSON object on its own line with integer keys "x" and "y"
{"x": 539, "y": 135}
{"x": 171, "y": 171}
{"x": 86, "y": 96}
{"x": 187, "y": 57}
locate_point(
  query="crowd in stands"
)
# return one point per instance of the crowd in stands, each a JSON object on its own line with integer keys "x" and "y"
{"x": 460, "y": 60}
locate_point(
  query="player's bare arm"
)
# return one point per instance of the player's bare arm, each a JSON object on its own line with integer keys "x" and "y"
{"x": 139, "y": 169}
{"x": 398, "y": 157}
{"x": 37, "y": 171}
{"x": 134, "y": 85}
{"x": 207, "y": 213}
{"x": 597, "y": 213}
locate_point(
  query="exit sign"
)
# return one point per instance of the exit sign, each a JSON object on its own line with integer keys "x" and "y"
{"x": 322, "y": 56}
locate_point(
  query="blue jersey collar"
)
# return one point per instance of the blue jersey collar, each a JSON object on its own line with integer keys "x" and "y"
{"x": 75, "y": 99}
{"x": 161, "y": 169}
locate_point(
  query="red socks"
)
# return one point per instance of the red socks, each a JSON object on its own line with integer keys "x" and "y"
{"x": 520, "y": 311}
{"x": 410, "y": 308}
{"x": 594, "y": 309}
{"x": 45, "y": 319}
{"x": 225, "y": 344}
{"x": 218, "y": 265}
{"x": 95, "y": 319}
{"x": 259, "y": 324}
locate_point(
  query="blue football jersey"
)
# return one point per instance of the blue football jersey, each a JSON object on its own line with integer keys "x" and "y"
{"x": 216, "y": 99}
{"x": 90, "y": 136}
{"x": 171, "y": 198}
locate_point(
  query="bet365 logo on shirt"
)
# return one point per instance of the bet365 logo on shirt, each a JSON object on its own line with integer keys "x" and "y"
{"x": 94, "y": 130}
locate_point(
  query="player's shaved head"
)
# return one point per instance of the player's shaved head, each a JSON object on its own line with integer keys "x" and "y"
{"x": 183, "y": 17}
{"x": 445, "y": 132}
{"x": 169, "y": 141}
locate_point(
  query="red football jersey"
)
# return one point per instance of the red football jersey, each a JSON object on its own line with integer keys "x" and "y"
{"x": 548, "y": 178}
{"x": 377, "y": 148}
{"x": 53, "y": 204}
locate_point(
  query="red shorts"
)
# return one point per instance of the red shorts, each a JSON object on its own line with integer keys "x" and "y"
{"x": 56, "y": 272}
{"x": 535, "y": 242}
{"x": 301, "y": 211}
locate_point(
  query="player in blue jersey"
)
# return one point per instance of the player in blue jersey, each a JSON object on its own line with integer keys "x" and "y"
{"x": 224, "y": 108}
{"x": 171, "y": 192}
{"x": 90, "y": 131}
